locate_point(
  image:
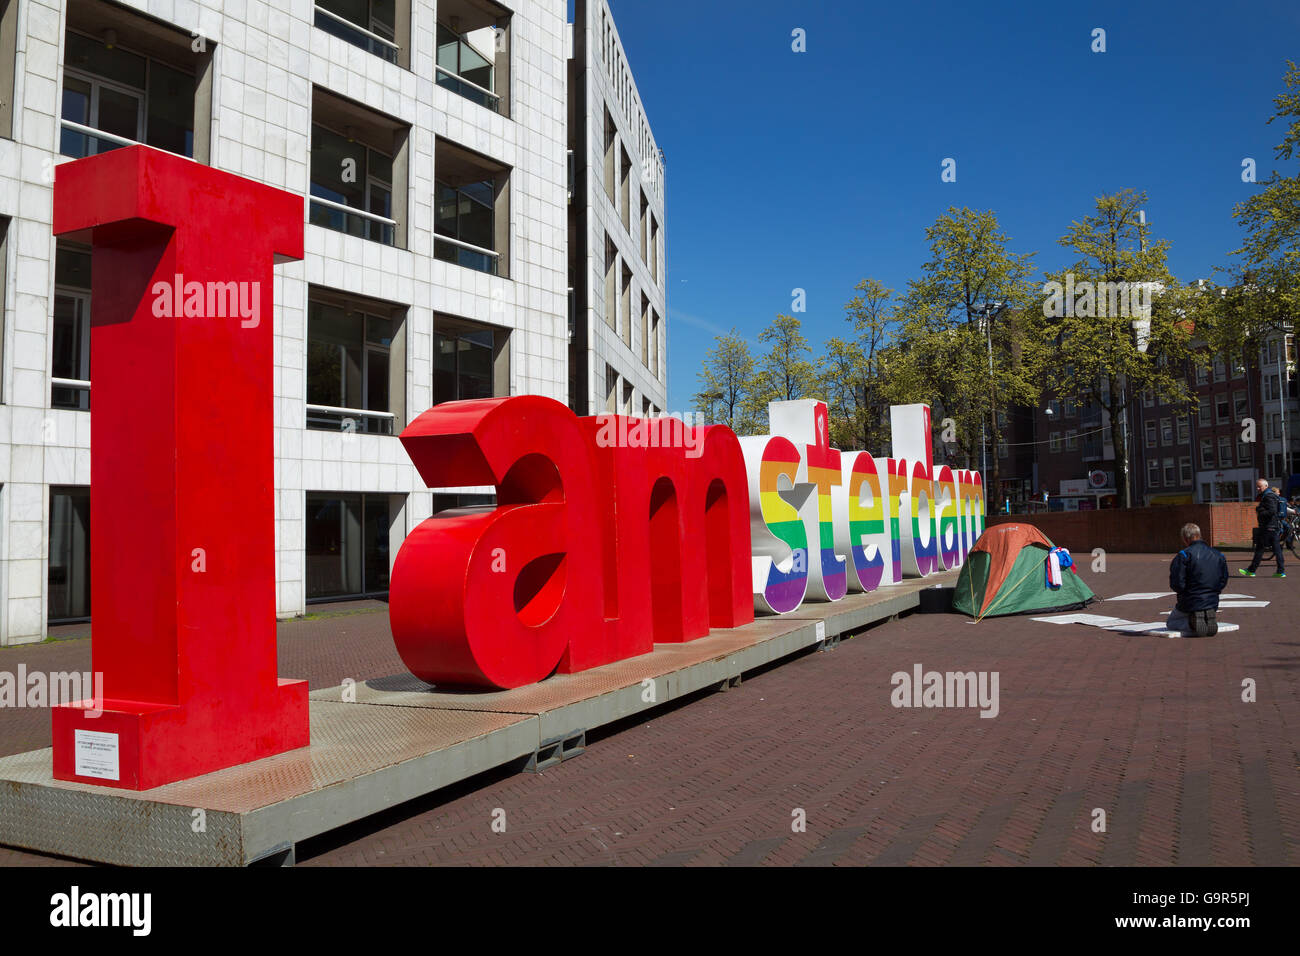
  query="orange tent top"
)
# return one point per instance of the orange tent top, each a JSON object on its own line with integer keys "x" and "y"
{"x": 1003, "y": 543}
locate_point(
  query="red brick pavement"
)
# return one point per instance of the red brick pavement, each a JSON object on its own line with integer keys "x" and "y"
{"x": 1152, "y": 731}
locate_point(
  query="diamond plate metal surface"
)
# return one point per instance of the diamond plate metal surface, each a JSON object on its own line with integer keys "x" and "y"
{"x": 400, "y": 739}
{"x": 155, "y": 827}
{"x": 561, "y": 690}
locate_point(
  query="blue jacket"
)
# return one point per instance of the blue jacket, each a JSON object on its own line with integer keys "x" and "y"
{"x": 1269, "y": 510}
{"x": 1197, "y": 574}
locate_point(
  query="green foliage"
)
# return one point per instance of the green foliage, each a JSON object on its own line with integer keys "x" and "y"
{"x": 1106, "y": 343}
{"x": 850, "y": 373}
{"x": 784, "y": 372}
{"x": 726, "y": 380}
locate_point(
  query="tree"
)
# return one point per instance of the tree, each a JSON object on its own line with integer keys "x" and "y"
{"x": 1269, "y": 279}
{"x": 960, "y": 334}
{"x": 727, "y": 384}
{"x": 850, "y": 374}
{"x": 784, "y": 372}
{"x": 1115, "y": 323}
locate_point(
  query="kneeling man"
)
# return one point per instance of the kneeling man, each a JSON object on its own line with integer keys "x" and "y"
{"x": 1197, "y": 575}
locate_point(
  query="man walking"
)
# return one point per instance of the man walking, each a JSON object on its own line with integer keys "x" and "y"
{"x": 1197, "y": 574}
{"x": 1269, "y": 512}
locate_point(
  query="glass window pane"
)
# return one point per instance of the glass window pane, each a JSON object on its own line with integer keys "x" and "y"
{"x": 333, "y": 546}
{"x": 338, "y": 169}
{"x": 69, "y": 565}
{"x": 448, "y": 45}
{"x": 444, "y": 368}
{"x": 445, "y": 211}
{"x": 67, "y": 338}
{"x": 376, "y": 545}
{"x": 475, "y": 374}
{"x": 376, "y": 380}
{"x": 93, "y": 56}
{"x": 475, "y": 223}
{"x": 119, "y": 113}
{"x": 171, "y": 110}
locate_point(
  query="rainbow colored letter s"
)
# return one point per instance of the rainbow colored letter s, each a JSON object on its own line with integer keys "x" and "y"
{"x": 826, "y": 522}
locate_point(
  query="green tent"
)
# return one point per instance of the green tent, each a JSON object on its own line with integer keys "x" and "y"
{"x": 1006, "y": 573}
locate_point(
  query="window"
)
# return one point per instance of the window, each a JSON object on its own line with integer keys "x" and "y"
{"x": 352, "y": 383}
{"x": 474, "y": 52}
{"x": 1207, "y": 493}
{"x": 469, "y": 360}
{"x": 1054, "y": 441}
{"x": 1207, "y": 453}
{"x": 1148, "y": 398}
{"x": 1170, "y": 480}
{"x": 1184, "y": 429}
{"x": 1240, "y": 407}
{"x": 1166, "y": 431}
{"x": 68, "y": 576}
{"x": 347, "y": 545}
{"x": 1003, "y": 451}
{"x": 643, "y": 236}
{"x": 1153, "y": 473}
{"x": 611, "y": 287}
{"x": 347, "y": 173}
{"x": 645, "y": 330}
{"x": 371, "y": 25}
{"x": 1221, "y": 408}
{"x": 1244, "y": 456}
{"x": 611, "y": 151}
{"x": 1238, "y": 365}
{"x": 1151, "y": 434}
{"x": 1071, "y": 440}
{"x": 1202, "y": 374}
{"x": 8, "y": 55}
{"x": 624, "y": 189}
{"x": 1273, "y": 352}
{"x": 464, "y": 70}
{"x": 655, "y": 350}
{"x": 625, "y": 303}
{"x": 1272, "y": 426}
{"x": 145, "y": 92}
{"x": 1069, "y": 407}
{"x": 1053, "y": 407}
{"x": 472, "y": 215}
{"x": 1272, "y": 388}
{"x": 70, "y": 335}
{"x": 611, "y": 389}
{"x": 1225, "y": 451}
{"x": 654, "y": 248}
{"x": 1185, "y": 470}
{"x": 4, "y": 259}
{"x": 1204, "y": 416}
{"x": 1220, "y": 369}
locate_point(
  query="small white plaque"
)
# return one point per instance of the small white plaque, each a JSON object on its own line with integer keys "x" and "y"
{"x": 821, "y": 630}
{"x": 97, "y": 754}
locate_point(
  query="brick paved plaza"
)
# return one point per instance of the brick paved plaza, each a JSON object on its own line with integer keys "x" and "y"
{"x": 1152, "y": 731}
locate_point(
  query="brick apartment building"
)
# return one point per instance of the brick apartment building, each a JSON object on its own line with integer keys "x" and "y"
{"x": 1200, "y": 453}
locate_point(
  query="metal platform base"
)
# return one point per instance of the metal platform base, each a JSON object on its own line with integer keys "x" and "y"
{"x": 390, "y": 740}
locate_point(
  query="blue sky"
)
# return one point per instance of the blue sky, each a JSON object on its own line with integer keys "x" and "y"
{"x": 817, "y": 169}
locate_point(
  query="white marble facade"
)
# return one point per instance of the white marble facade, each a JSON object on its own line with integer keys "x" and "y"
{"x": 267, "y": 58}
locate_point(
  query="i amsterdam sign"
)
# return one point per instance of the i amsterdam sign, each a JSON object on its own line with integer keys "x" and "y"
{"x": 610, "y": 534}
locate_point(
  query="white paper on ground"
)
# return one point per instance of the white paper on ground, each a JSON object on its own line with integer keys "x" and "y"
{"x": 1096, "y": 620}
{"x": 1229, "y": 597}
{"x": 1160, "y": 629}
{"x": 1223, "y": 603}
{"x": 1164, "y": 633}
{"x": 1141, "y": 596}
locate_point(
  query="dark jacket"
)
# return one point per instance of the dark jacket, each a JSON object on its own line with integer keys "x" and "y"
{"x": 1268, "y": 511}
{"x": 1197, "y": 574}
